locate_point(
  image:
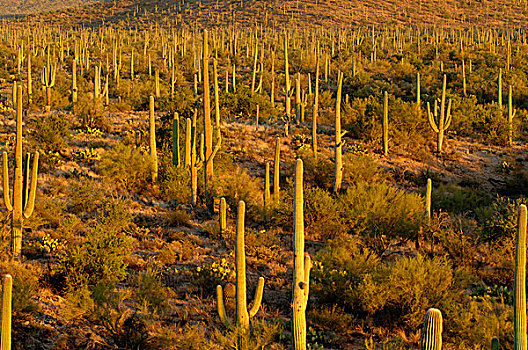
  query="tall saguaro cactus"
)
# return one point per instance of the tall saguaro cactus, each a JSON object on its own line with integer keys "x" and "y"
{"x": 315, "y": 110}
{"x": 23, "y": 202}
{"x": 444, "y": 119}
{"x": 302, "y": 264}
{"x": 432, "y": 331}
{"x": 385, "y": 123}
{"x": 242, "y": 314}
{"x": 152, "y": 140}
{"x": 276, "y": 171}
{"x": 519, "y": 307}
{"x": 7, "y": 289}
{"x": 428, "y": 191}
{"x": 338, "y": 135}
{"x": 511, "y": 115}
{"x": 48, "y": 80}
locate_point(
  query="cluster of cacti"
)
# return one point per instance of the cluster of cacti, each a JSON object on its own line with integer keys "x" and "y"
{"x": 242, "y": 314}
{"x": 440, "y": 122}
{"x": 22, "y": 203}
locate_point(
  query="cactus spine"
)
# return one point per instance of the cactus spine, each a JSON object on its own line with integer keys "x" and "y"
{"x": 519, "y": 309}
{"x": 385, "y": 123}
{"x": 276, "y": 171}
{"x": 301, "y": 264}
{"x": 432, "y": 331}
{"x": 7, "y": 289}
{"x": 152, "y": 141}
{"x": 242, "y": 314}
{"x": 21, "y": 208}
{"x": 338, "y": 157}
{"x": 444, "y": 120}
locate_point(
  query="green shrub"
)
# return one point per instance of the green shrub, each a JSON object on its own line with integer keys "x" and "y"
{"x": 382, "y": 213}
{"x": 500, "y": 219}
{"x": 128, "y": 166}
{"x": 52, "y": 132}
{"x": 150, "y": 293}
{"x": 176, "y": 184}
{"x": 25, "y": 285}
{"x": 458, "y": 199}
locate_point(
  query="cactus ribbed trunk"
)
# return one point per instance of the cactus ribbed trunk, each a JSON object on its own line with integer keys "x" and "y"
{"x": 519, "y": 309}
{"x": 187, "y": 160}
{"x": 7, "y": 288}
{"x": 315, "y": 110}
{"x": 338, "y": 157}
{"x": 242, "y": 315}
{"x": 152, "y": 141}
{"x": 301, "y": 264}
{"x": 428, "y": 192}
{"x": 276, "y": 172}
{"x": 511, "y": 115}
{"x": 495, "y": 345}
{"x": 432, "y": 331}
{"x": 287, "y": 79}
{"x": 216, "y": 97}
{"x": 223, "y": 215}
{"x": 176, "y": 140}
{"x": 385, "y": 123}
{"x": 267, "y": 186}
{"x": 500, "y": 90}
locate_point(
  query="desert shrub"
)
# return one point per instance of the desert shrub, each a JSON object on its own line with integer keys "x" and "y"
{"x": 381, "y": 212}
{"x": 208, "y": 276}
{"x": 176, "y": 184}
{"x": 91, "y": 112}
{"x": 128, "y": 166}
{"x": 85, "y": 195}
{"x": 458, "y": 199}
{"x": 150, "y": 293}
{"x": 500, "y": 219}
{"x": 52, "y": 132}
{"x": 100, "y": 257}
{"x": 25, "y": 285}
{"x": 393, "y": 293}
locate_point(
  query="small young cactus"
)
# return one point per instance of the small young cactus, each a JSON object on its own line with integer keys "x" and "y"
{"x": 495, "y": 343}
{"x": 519, "y": 307}
{"x": 7, "y": 288}
{"x": 432, "y": 331}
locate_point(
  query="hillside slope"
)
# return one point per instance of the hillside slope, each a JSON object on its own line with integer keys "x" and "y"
{"x": 491, "y": 14}
{"x": 21, "y": 7}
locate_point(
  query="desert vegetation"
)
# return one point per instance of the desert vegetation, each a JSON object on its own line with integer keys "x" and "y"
{"x": 258, "y": 184}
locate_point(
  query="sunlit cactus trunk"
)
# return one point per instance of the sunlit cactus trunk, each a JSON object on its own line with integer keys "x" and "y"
{"x": 301, "y": 264}
{"x": 519, "y": 307}
{"x": 432, "y": 330}
{"x": 7, "y": 289}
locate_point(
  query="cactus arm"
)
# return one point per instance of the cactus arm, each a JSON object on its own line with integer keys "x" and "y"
{"x": 221, "y": 307}
{"x": 31, "y": 199}
{"x": 258, "y": 298}
{"x": 7, "y": 197}
{"x": 449, "y": 117}
{"x": 215, "y": 151}
{"x": 307, "y": 269}
{"x": 432, "y": 122}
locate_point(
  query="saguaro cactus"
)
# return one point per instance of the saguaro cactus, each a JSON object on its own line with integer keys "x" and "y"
{"x": 21, "y": 208}
{"x": 242, "y": 314}
{"x": 495, "y": 343}
{"x": 152, "y": 140}
{"x": 302, "y": 264}
{"x": 432, "y": 331}
{"x": 338, "y": 146}
{"x": 48, "y": 80}
{"x": 519, "y": 307}
{"x": 7, "y": 288}
{"x": 511, "y": 114}
{"x": 276, "y": 171}
{"x": 315, "y": 110}
{"x": 385, "y": 123}
{"x": 74, "y": 81}
{"x": 176, "y": 140}
{"x": 428, "y": 190}
{"x": 444, "y": 119}
{"x": 223, "y": 215}
{"x": 500, "y": 90}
